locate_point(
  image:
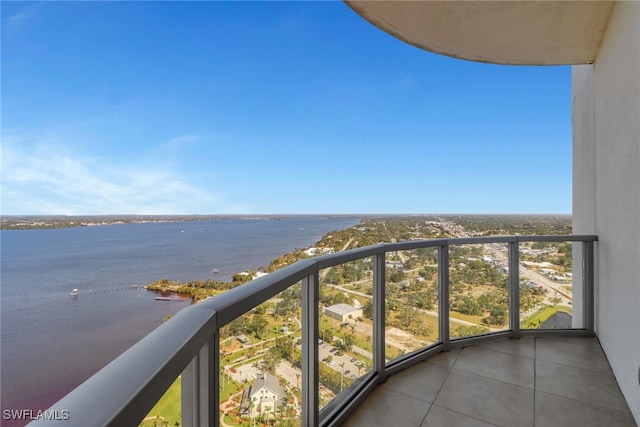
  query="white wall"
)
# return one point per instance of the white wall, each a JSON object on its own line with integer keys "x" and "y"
{"x": 606, "y": 140}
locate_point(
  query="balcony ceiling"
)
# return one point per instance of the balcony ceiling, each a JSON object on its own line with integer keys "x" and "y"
{"x": 504, "y": 32}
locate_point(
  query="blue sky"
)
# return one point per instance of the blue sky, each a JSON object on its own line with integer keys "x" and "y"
{"x": 269, "y": 107}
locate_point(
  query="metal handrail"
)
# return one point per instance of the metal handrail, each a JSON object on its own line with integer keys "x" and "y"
{"x": 125, "y": 390}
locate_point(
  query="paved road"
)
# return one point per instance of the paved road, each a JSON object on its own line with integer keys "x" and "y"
{"x": 548, "y": 284}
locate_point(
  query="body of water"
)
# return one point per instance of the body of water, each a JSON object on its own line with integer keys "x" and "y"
{"x": 51, "y": 342}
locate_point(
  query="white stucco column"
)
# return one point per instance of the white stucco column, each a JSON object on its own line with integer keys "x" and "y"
{"x": 606, "y": 188}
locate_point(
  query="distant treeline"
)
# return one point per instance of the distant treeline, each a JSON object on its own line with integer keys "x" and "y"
{"x": 27, "y": 222}
{"x": 488, "y": 225}
{"x": 385, "y": 229}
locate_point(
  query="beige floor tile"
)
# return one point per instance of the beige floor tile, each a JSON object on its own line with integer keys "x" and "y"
{"x": 446, "y": 358}
{"x": 579, "y": 384}
{"x": 496, "y": 365}
{"x": 524, "y": 347}
{"x": 581, "y": 341}
{"x": 422, "y": 381}
{"x": 388, "y": 408}
{"x": 576, "y": 352}
{"x": 488, "y": 400}
{"x": 554, "y": 411}
{"x": 442, "y": 417}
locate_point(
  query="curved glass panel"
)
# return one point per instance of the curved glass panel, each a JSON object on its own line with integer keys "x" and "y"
{"x": 478, "y": 289}
{"x": 260, "y": 363}
{"x": 547, "y": 297}
{"x": 411, "y": 303}
{"x": 345, "y": 327}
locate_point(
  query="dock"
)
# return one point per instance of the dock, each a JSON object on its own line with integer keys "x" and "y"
{"x": 168, "y": 299}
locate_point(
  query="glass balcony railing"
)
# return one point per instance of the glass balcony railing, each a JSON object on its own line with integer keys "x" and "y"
{"x": 305, "y": 345}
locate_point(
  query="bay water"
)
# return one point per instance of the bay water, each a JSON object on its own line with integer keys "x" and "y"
{"x": 50, "y": 342}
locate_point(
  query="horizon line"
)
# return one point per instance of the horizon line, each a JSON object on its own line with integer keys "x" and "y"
{"x": 281, "y": 215}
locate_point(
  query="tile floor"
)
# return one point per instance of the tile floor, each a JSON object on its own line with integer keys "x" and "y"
{"x": 541, "y": 382}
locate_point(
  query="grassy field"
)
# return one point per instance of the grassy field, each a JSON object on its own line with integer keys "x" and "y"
{"x": 466, "y": 317}
{"x": 230, "y": 388}
{"x": 168, "y": 408}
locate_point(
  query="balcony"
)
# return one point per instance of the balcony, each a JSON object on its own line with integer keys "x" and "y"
{"x": 519, "y": 366}
{"x": 546, "y": 381}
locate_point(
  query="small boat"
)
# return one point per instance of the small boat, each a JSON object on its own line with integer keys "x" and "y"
{"x": 215, "y": 271}
{"x": 73, "y": 293}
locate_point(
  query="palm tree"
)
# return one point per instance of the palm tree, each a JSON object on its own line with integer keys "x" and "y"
{"x": 266, "y": 414}
{"x": 280, "y": 411}
{"x": 222, "y": 369}
{"x": 341, "y": 375}
{"x": 252, "y": 406}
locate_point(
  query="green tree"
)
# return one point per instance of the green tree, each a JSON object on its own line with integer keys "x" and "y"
{"x": 258, "y": 326}
{"x": 347, "y": 342}
{"x": 497, "y": 315}
{"x": 367, "y": 309}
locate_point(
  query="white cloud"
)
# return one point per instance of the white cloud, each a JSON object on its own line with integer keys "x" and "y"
{"x": 20, "y": 20}
{"x": 180, "y": 141}
{"x": 48, "y": 178}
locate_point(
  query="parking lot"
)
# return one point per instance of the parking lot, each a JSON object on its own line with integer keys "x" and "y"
{"x": 350, "y": 367}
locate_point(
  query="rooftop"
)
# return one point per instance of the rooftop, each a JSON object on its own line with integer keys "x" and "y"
{"x": 342, "y": 309}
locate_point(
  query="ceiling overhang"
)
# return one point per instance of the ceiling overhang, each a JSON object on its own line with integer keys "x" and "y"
{"x": 518, "y": 32}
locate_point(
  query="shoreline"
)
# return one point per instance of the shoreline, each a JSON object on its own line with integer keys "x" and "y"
{"x": 51, "y": 263}
{"x": 52, "y": 222}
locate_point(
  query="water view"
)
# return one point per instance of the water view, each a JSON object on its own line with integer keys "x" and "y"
{"x": 52, "y": 342}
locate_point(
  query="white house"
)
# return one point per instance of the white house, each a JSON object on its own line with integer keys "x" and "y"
{"x": 266, "y": 395}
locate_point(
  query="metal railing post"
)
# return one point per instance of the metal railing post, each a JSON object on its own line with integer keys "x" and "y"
{"x": 514, "y": 288}
{"x": 212, "y": 402}
{"x": 588, "y": 306}
{"x": 310, "y": 402}
{"x": 379, "y": 315}
{"x": 188, "y": 393}
{"x": 443, "y": 295}
{"x": 199, "y": 393}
